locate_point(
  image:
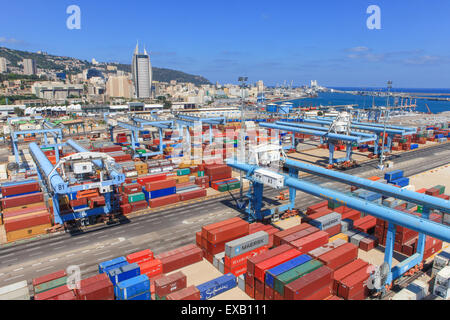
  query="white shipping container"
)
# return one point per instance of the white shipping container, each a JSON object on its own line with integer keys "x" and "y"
{"x": 15, "y": 291}
{"x": 269, "y": 178}
{"x": 443, "y": 277}
{"x": 419, "y": 288}
{"x": 405, "y": 294}
{"x": 442, "y": 292}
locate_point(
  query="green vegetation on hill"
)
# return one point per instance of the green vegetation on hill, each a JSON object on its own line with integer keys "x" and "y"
{"x": 54, "y": 63}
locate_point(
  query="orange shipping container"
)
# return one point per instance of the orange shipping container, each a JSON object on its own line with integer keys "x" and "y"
{"x": 27, "y": 233}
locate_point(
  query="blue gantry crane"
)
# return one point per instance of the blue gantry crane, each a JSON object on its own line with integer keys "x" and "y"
{"x": 67, "y": 178}
{"x": 331, "y": 138}
{"x": 259, "y": 177}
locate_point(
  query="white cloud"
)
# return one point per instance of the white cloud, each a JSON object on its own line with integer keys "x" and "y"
{"x": 358, "y": 49}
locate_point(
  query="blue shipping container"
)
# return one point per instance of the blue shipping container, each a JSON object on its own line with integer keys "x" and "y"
{"x": 393, "y": 175}
{"x": 124, "y": 273}
{"x": 159, "y": 193}
{"x": 110, "y": 263}
{"x": 132, "y": 287}
{"x": 284, "y": 267}
{"x": 217, "y": 286}
{"x": 402, "y": 182}
{"x": 142, "y": 297}
{"x": 109, "y": 268}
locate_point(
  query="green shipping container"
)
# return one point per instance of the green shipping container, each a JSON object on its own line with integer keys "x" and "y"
{"x": 333, "y": 205}
{"x": 419, "y": 209}
{"x": 285, "y": 278}
{"x": 159, "y": 298}
{"x": 136, "y": 197}
{"x": 200, "y": 173}
{"x": 50, "y": 285}
{"x": 223, "y": 188}
{"x": 141, "y": 151}
{"x": 183, "y": 172}
{"x": 234, "y": 185}
{"x": 440, "y": 188}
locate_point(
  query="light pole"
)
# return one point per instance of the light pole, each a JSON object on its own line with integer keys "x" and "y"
{"x": 386, "y": 112}
{"x": 243, "y": 81}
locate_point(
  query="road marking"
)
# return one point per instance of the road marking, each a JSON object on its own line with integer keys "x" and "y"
{"x": 46, "y": 268}
{"x": 37, "y": 264}
{"x": 84, "y": 241}
{"x": 100, "y": 253}
{"x": 9, "y": 254}
{"x": 54, "y": 259}
{"x": 11, "y": 260}
{"x": 85, "y": 251}
{"x": 10, "y": 278}
{"x": 70, "y": 255}
{"x": 33, "y": 249}
{"x": 105, "y": 258}
{"x": 56, "y": 243}
{"x": 35, "y": 254}
{"x": 59, "y": 248}
{"x": 18, "y": 269}
{"x": 104, "y": 236}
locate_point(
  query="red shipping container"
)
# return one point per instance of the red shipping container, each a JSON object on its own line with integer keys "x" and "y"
{"x": 277, "y": 296}
{"x": 340, "y": 256}
{"x": 164, "y": 201}
{"x": 68, "y": 296}
{"x": 125, "y": 209}
{"x": 312, "y": 209}
{"x": 198, "y": 239}
{"x": 151, "y": 268}
{"x": 268, "y": 293}
{"x": 192, "y": 195}
{"x": 228, "y": 232}
{"x": 239, "y": 260}
{"x": 17, "y": 211}
{"x": 279, "y": 235}
{"x": 237, "y": 270}
{"x": 100, "y": 290}
{"x": 250, "y": 291}
{"x": 352, "y": 215}
{"x": 353, "y": 284}
{"x": 175, "y": 251}
{"x": 319, "y": 213}
{"x": 206, "y": 229}
{"x": 140, "y": 256}
{"x": 260, "y": 268}
{"x": 78, "y": 202}
{"x": 169, "y": 284}
{"x": 251, "y": 262}
{"x": 333, "y": 230}
{"x": 342, "y": 209}
{"x": 140, "y": 205}
{"x": 307, "y": 285}
{"x": 132, "y": 188}
{"x": 159, "y": 185}
{"x": 52, "y": 293}
{"x": 432, "y": 192}
{"x": 22, "y": 200}
{"x": 311, "y": 241}
{"x": 259, "y": 295}
{"x": 298, "y": 235}
{"x": 19, "y": 189}
{"x": 151, "y": 178}
{"x": 181, "y": 260}
{"x": 321, "y": 294}
{"x": 367, "y": 244}
{"x": 190, "y": 293}
{"x": 334, "y": 298}
{"x": 18, "y": 223}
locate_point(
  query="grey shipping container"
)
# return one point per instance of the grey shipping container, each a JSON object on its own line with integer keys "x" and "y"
{"x": 246, "y": 244}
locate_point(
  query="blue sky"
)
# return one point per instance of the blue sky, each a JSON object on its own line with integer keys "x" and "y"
{"x": 265, "y": 40}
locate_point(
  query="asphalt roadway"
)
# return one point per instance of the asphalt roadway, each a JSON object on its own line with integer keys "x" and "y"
{"x": 170, "y": 228}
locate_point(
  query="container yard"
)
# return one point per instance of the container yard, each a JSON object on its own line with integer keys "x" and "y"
{"x": 164, "y": 208}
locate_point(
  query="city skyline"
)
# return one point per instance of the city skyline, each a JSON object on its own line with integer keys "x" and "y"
{"x": 325, "y": 41}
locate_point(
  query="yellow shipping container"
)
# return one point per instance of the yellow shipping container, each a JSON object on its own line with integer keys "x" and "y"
{"x": 27, "y": 233}
{"x": 342, "y": 236}
{"x": 182, "y": 179}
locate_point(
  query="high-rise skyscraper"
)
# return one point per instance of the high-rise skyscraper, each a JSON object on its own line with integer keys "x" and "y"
{"x": 29, "y": 67}
{"x": 142, "y": 74}
{"x": 3, "y": 68}
{"x": 119, "y": 86}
